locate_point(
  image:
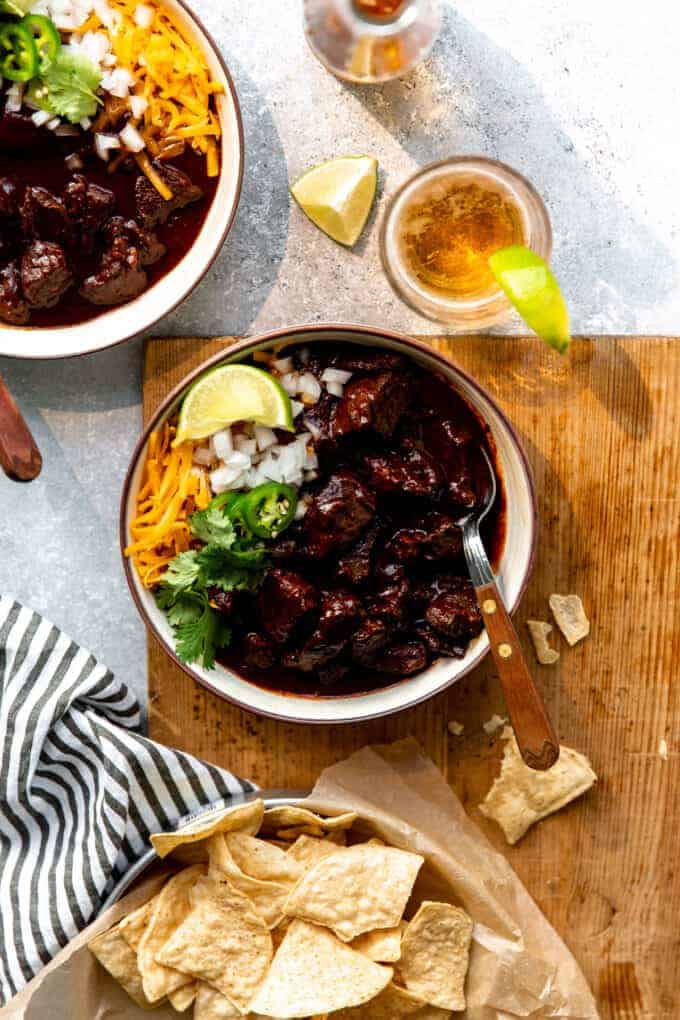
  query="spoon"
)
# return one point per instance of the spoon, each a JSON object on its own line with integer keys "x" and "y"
{"x": 535, "y": 735}
{"x": 20, "y": 458}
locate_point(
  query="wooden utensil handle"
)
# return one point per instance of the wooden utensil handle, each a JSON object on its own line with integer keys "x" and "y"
{"x": 19, "y": 456}
{"x": 535, "y": 735}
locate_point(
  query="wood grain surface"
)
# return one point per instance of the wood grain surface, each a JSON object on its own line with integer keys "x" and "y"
{"x": 602, "y": 431}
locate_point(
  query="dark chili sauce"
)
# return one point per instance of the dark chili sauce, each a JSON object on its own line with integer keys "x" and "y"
{"x": 436, "y": 396}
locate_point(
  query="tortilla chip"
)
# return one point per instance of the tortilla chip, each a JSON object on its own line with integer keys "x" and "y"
{"x": 243, "y": 817}
{"x": 313, "y": 972}
{"x": 117, "y": 956}
{"x": 181, "y": 999}
{"x": 212, "y": 1005}
{"x": 570, "y": 617}
{"x": 382, "y": 945}
{"x": 521, "y": 796}
{"x": 435, "y": 954}
{"x": 539, "y": 631}
{"x": 260, "y": 859}
{"x": 307, "y": 850}
{"x": 135, "y": 924}
{"x": 300, "y": 830}
{"x": 221, "y": 941}
{"x": 337, "y": 836}
{"x": 266, "y": 898}
{"x": 393, "y": 1004}
{"x": 352, "y": 892}
{"x": 287, "y": 818}
{"x": 171, "y": 907}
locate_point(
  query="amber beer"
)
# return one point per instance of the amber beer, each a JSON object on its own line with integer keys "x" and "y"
{"x": 379, "y": 8}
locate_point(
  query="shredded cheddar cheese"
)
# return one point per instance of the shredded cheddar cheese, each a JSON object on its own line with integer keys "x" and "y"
{"x": 171, "y": 74}
{"x": 172, "y": 489}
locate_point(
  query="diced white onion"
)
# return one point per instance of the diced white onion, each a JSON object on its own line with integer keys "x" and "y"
{"x": 74, "y": 161}
{"x": 95, "y": 45}
{"x": 104, "y": 143}
{"x": 143, "y": 15}
{"x": 85, "y": 123}
{"x": 131, "y": 138}
{"x": 296, "y": 407}
{"x": 245, "y": 445}
{"x": 53, "y": 124}
{"x": 311, "y": 476}
{"x": 225, "y": 478}
{"x": 239, "y": 460}
{"x": 335, "y": 375}
{"x": 309, "y": 386}
{"x": 290, "y": 383}
{"x": 109, "y": 60}
{"x": 264, "y": 437}
{"x": 41, "y": 117}
{"x": 203, "y": 455}
{"x": 118, "y": 82}
{"x": 222, "y": 443}
{"x": 104, "y": 13}
{"x": 138, "y": 105}
{"x": 335, "y": 388}
{"x": 283, "y": 365}
{"x": 15, "y": 95}
{"x": 300, "y": 510}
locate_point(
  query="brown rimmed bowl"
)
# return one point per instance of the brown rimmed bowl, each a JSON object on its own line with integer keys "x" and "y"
{"x": 123, "y": 322}
{"x": 514, "y": 568}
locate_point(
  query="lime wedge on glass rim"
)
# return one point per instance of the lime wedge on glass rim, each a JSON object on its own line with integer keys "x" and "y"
{"x": 233, "y": 393}
{"x": 531, "y": 287}
{"x": 337, "y": 196}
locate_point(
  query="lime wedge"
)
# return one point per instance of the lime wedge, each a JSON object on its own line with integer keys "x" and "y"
{"x": 233, "y": 393}
{"x": 533, "y": 290}
{"x": 338, "y": 195}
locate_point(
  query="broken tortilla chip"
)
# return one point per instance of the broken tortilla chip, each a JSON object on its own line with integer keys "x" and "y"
{"x": 243, "y": 817}
{"x": 539, "y": 632}
{"x": 135, "y": 924}
{"x": 314, "y": 973}
{"x": 222, "y": 941}
{"x": 260, "y": 859}
{"x": 521, "y": 796}
{"x": 117, "y": 956}
{"x": 392, "y": 1004}
{"x": 266, "y": 898}
{"x": 383, "y": 945}
{"x": 171, "y": 907}
{"x": 307, "y": 850}
{"x": 287, "y": 818}
{"x": 182, "y": 998}
{"x": 212, "y": 1005}
{"x": 435, "y": 954}
{"x": 352, "y": 892}
{"x": 570, "y": 617}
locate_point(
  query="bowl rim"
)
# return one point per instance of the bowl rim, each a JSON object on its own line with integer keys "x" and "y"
{"x": 187, "y": 289}
{"x": 270, "y": 338}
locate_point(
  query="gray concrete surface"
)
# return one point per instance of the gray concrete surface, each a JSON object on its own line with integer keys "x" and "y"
{"x": 582, "y": 97}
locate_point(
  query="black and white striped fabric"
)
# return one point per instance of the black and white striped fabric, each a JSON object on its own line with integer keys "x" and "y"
{"x": 80, "y": 790}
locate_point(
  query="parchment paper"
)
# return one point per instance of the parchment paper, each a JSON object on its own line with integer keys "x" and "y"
{"x": 519, "y": 967}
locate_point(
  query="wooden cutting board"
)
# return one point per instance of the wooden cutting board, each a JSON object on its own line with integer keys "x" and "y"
{"x": 602, "y": 431}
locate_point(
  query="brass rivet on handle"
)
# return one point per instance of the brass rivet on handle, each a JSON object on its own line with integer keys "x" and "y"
{"x": 505, "y": 651}
{"x": 489, "y": 607}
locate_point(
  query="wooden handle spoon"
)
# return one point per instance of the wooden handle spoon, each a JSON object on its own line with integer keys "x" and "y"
{"x": 19, "y": 456}
{"x": 536, "y": 738}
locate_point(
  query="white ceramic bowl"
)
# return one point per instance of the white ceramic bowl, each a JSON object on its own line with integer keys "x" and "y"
{"x": 125, "y": 321}
{"x": 514, "y": 568}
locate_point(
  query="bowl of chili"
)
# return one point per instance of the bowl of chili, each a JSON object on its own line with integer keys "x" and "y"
{"x": 304, "y": 561}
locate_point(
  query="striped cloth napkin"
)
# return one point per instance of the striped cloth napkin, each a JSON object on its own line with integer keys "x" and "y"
{"x": 80, "y": 790}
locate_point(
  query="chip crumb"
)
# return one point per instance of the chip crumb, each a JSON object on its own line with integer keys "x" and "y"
{"x": 539, "y": 632}
{"x": 494, "y": 723}
{"x": 570, "y": 617}
{"x": 663, "y": 749}
{"x": 456, "y": 728}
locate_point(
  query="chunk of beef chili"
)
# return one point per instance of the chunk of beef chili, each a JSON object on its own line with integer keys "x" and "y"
{"x": 410, "y": 471}
{"x": 113, "y": 116}
{"x": 368, "y": 641}
{"x": 338, "y": 618}
{"x": 402, "y": 659}
{"x": 17, "y": 131}
{"x": 373, "y": 403}
{"x": 437, "y": 537}
{"x": 455, "y": 614}
{"x": 285, "y": 600}
{"x": 257, "y": 650}
{"x": 119, "y": 276}
{"x": 152, "y": 209}
{"x": 390, "y": 603}
{"x": 317, "y": 419}
{"x": 223, "y": 601}
{"x": 88, "y": 206}
{"x": 337, "y": 514}
{"x": 13, "y": 308}
{"x": 363, "y": 359}
{"x": 439, "y": 644}
{"x": 44, "y": 216}
{"x": 9, "y": 198}
{"x": 330, "y": 674}
{"x": 450, "y": 445}
{"x": 356, "y": 566}
{"x": 150, "y": 248}
{"x": 45, "y": 274}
